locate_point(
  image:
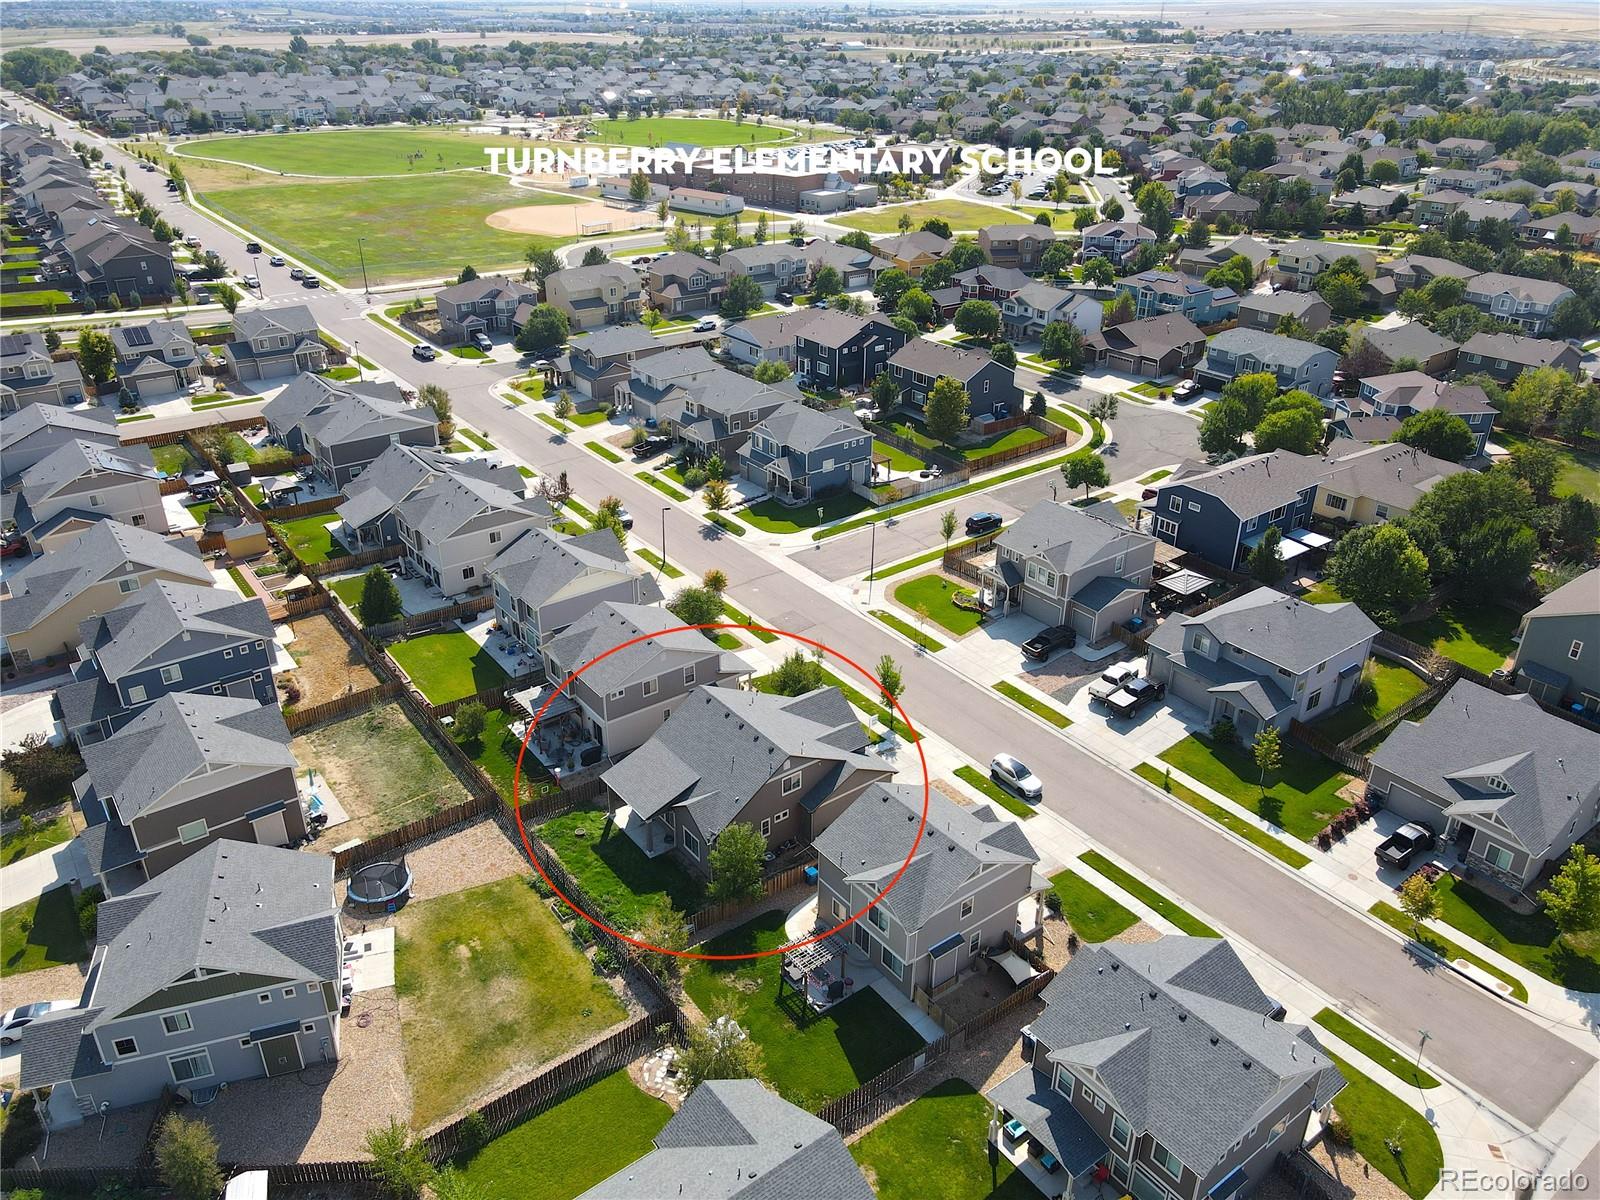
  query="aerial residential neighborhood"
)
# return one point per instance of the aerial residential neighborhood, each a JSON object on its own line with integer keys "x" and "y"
{"x": 756, "y": 602}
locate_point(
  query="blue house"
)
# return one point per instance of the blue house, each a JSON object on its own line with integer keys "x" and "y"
{"x": 168, "y": 637}
{"x": 1160, "y": 293}
{"x": 799, "y": 453}
{"x": 1221, "y": 513}
{"x": 1297, "y": 364}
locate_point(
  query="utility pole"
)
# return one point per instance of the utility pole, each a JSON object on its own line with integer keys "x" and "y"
{"x": 361, "y": 249}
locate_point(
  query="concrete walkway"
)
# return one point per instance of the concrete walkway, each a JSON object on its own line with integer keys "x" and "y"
{"x": 38, "y": 873}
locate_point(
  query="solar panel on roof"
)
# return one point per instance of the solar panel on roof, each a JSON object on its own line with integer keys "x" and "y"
{"x": 137, "y": 335}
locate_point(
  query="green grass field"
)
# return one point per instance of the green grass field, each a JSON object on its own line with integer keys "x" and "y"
{"x": 311, "y": 538}
{"x": 1399, "y": 1065}
{"x": 1395, "y": 685}
{"x": 1529, "y": 939}
{"x": 1257, "y": 837}
{"x": 935, "y": 595}
{"x": 343, "y": 152}
{"x": 1095, "y": 916}
{"x": 1378, "y": 1119}
{"x": 980, "y": 782}
{"x": 961, "y": 214}
{"x": 42, "y": 932}
{"x": 936, "y": 1149}
{"x": 1480, "y": 638}
{"x": 1300, "y": 797}
{"x": 447, "y": 666}
{"x": 695, "y": 131}
{"x": 1580, "y": 469}
{"x": 1186, "y": 921}
{"x": 614, "y": 872}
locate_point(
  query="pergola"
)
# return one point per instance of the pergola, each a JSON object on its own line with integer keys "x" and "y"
{"x": 799, "y": 963}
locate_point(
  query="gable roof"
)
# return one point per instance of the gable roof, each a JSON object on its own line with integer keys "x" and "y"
{"x": 106, "y": 550}
{"x": 1069, "y": 538}
{"x": 927, "y": 357}
{"x": 540, "y": 563}
{"x": 611, "y": 625}
{"x": 142, "y": 629}
{"x": 1254, "y": 484}
{"x": 1283, "y": 630}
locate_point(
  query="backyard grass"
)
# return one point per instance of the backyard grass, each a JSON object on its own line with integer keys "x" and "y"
{"x": 977, "y": 780}
{"x": 349, "y": 590}
{"x": 1033, "y": 704}
{"x": 933, "y": 596}
{"x": 1395, "y": 685}
{"x": 18, "y": 845}
{"x": 556, "y": 1156}
{"x": 1258, "y": 838}
{"x": 936, "y": 1148}
{"x": 1480, "y": 637}
{"x": 1093, "y": 915}
{"x": 811, "y": 1058}
{"x": 382, "y": 770}
{"x": 619, "y": 877}
{"x": 42, "y": 932}
{"x": 1322, "y": 592}
{"x": 1529, "y": 939}
{"x": 898, "y": 460}
{"x": 960, "y": 214}
{"x": 914, "y": 429}
{"x": 496, "y": 752}
{"x": 447, "y": 666}
{"x": 239, "y": 581}
{"x": 497, "y": 953}
{"x": 172, "y": 460}
{"x": 906, "y": 629}
{"x": 311, "y": 538}
{"x": 1379, "y": 1119}
{"x": 1579, "y": 474}
{"x": 1443, "y": 946}
{"x": 772, "y": 517}
{"x": 1401, "y": 1066}
{"x": 1300, "y": 798}
{"x": 1186, "y": 921}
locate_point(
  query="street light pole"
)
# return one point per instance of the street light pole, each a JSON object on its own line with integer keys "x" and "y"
{"x": 872, "y": 564}
{"x": 1425, "y": 1036}
{"x": 665, "y": 508}
{"x": 361, "y": 249}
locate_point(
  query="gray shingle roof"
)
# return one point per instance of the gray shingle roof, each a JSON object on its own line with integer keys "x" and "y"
{"x": 401, "y": 469}
{"x": 1271, "y": 348}
{"x": 1069, "y": 538}
{"x": 1281, "y": 629}
{"x": 169, "y": 620}
{"x": 539, "y": 564}
{"x": 1255, "y": 484}
{"x": 611, "y": 624}
{"x": 927, "y": 357}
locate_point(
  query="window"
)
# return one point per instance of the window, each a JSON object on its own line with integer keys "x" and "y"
{"x": 264, "y": 998}
{"x": 1175, "y": 503}
{"x": 1250, "y": 525}
{"x": 691, "y": 843}
{"x": 96, "y": 502}
{"x": 127, "y": 585}
{"x": 192, "y": 830}
{"x": 879, "y": 920}
{"x": 136, "y": 694}
{"x": 1499, "y": 858}
{"x": 766, "y": 827}
{"x": 791, "y": 783}
{"x": 652, "y": 686}
{"x": 1119, "y": 1130}
{"x": 1093, "y": 1097}
{"x": 840, "y": 912}
{"x": 975, "y": 943}
{"x": 1337, "y": 503}
{"x": 227, "y": 654}
{"x": 177, "y": 1022}
{"x": 1314, "y": 700}
{"x": 1381, "y": 512}
{"x": 171, "y": 674}
{"x": 261, "y": 645}
{"x": 1575, "y": 650}
{"x": 1166, "y": 1160}
{"x": 1202, "y": 642}
{"x": 288, "y": 993}
{"x": 186, "y": 1067}
{"x": 891, "y": 963}
{"x": 468, "y": 572}
{"x": 688, "y": 675}
{"x": 966, "y": 908}
{"x": 1166, "y": 527}
{"x": 125, "y": 1047}
{"x": 138, "y": 519}
{"x": 780, "y": 816}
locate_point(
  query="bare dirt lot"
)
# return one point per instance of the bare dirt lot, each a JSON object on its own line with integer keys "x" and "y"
{"x": 570, "y": 220}
{"x": 326, "y": 665}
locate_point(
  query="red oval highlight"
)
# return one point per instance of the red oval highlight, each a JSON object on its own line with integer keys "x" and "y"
{"x": 527, "y": 845}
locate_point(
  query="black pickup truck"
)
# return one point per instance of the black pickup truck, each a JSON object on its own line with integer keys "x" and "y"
{"x": 1134, "y": 695}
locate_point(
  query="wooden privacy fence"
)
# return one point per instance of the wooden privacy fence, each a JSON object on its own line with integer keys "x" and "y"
{"x": 1356, "y": 764}
{"x": 314, "y": 714}
{"x": 1053, "y": 436}
{"x": 715, "y": 914}
{"x": 390, "y": 630}
{"x": 415, "y": 831}
{"x": 948, "y": 463}
{"x": 349, "y": 562}
{"x": 1388, "y": 721}
{"x": 307, "y": 508}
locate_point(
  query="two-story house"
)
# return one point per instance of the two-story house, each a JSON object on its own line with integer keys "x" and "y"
{"x": 45, "y": 601}
{"x": 1365, "y": 484}
{"x": 1162, "y": 1064}
{"x": 599, "y": 364}
{"x": 786, "y": 765}
{"x": 1083, "y": 567}
{"x": 1115, "y": 239}
{"x": 1528, "y": 304}
{"x": 168, "y": 637}
{"x": 29, "y": 375}
{"x": 1433, "y": 353}
{"x": 839, "y": 351}
{"x": 913, "y": 252}
{"x": 1025, "y": 313}
{"x": 1504, "y": 356}
{"x": 1201, "y": 260}
{"x": 1264, "y": 310}
{"x": 191, "y": 768}
{"x": 1019, "y": 246}
{"x": 1263, "y": 659}
{"x": 965, "y": 882}
{"x": 988, "y": 282}
{"x": 1220, "y": 513}
{"x": 776, "y": 267}
{"x": 602, "y": 294}
{"x": 30, "y": 435}
{"x": 799, "y": 453}
{"x": 715, "y": 414}
{"x": 370, "y": 509}
{"x": 269, "y": 343}
{"x": 1299, "y": 263}
{"x": 1154, "y": 347}
{"x": 771, "y": 337}
{"x": 1558, "y": 647}
{"x": 1297, "y": 364}
{"x": 1419, "y": 270}
{"x": 155, "y": 358}
{"x": 225, "y": 968}
{"x": 346, "y": 426}
{"x": 684, "y": 283}
{"x": 82, "y": 483}
{"x": 454, "y": 523}
{"x": 544, "y": 580}
{"x": 483, "y": 305}
{"x": 1507, "y": 787}
{"x": 657, "y": 384}
{"x": 1406, "y": 393}
{"x": 640, "y": 671}
{"x": 1159, "y": 293}
{"x": 992, "y": 391}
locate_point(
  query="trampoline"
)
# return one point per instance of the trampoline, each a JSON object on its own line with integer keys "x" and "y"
{"x": 381, "y": 883}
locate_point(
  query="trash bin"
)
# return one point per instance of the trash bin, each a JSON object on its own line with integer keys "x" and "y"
{"x": 811, "y": 877}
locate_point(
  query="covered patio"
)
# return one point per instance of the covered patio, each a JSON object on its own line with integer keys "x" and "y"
{"x": 1038, "y": 1131}
{"x": 562, "y": 741}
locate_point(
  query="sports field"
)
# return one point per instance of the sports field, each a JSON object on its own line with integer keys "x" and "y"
{"x": 694, "y": 131}
{"x": 961, "y": 214}
{"x": 338, "y": 152}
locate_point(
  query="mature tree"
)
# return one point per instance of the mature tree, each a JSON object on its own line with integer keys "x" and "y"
{"x": 545, "y": 329}
{"x": 741, "y": 298}
{"x": 97, "y": 356}
{"x": 1004, "y": 353}
{"x": 594, "y": 256}
{"x": 1496, "y": 555}
{"x": 1062, "y": 342}
{"x": 1454, "y": 524}
{"x": 639, "y": 187}
{"x": 889, "y": 287}
{"x": 1265, "y": 562}
{"x": 892, "y": 684}
{"x": 827, "y": 281}
{"x": 1343, "y": 286}
{"x": 1576, "y": 527}
{"x": 917, "y": 306}
{"x": 697, "y": 606}
{"x": 660, "y": 924}
{"x": 1439, "y": 433}
{"x": 1419, "y": 899}
{"x": 1155, "y": 201}
{"x": 1057, "y": 259}
{"x": 965, "y": 254}
{"x": 1255, "y": 391}
{"x": 885, "y": 392}
{"x": 938, "y": 227}
{"x": 773, "y": 371}
{"x": 719, "y": 1049}
{"x": 471, "y": 720}
{"x": 857, "y": 240}
{"x": 1379, "y": 569}
{"x": 400, "y": 1164}
{"x": 380, "y": 598}
{"x": 978, "y": 319}
{"x": 41, "y": 771}
{"x": 542, "y": 263}
{"x": 946, "y": 413}
{"x": 1576, "y": 412}
{"x": 1223, "y": 426}
{"x": 434, "y": 397}
{"x": 1535, "y": 395}
{"x": 1267, "y": 750}
{"x": 737, "y": 858}
{"x": 1571, "y": 318}
{"x": 468, "y": 274}
{"x": 1292, "y": 429}
{"x": 1085, "y": 469}
{"x": 1099, "y": 272}
{"x": 796, "y": 675}
{"x": 1237, "y": 273}
{"x": 186, "y": 1156}
{"x": 1119, "y": 311}
{"x": 613, "y": 521}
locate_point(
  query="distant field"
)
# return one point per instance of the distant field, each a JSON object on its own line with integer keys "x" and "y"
{"x": 695, "y": 131}
{"x": 961, "y": 214}
{"x": 353, "y": 151}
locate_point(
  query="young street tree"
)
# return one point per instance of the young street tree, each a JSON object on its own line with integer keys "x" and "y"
{"x": 1572, "y": 901}
{"x": 1419, "y": 900}
{"x": 1267, "y": 750}
{"x": 380, "y": 598}
{"x": 737, "y": 859}
{"x": 946, "y": 414}
{"x": 697, "y": 606}
{"x": 947, "y": 525}
{"x": 1085, "y": 469}
{"x": 893, "y": 684}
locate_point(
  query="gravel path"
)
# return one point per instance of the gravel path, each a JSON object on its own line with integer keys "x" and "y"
{"x": 51, "y": 983}
{"x": 451, "y": 862}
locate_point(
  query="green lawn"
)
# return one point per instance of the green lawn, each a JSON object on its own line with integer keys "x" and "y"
{"x": 811, "y": 1058}
{"x": 1033, "y": 704}
{"x": 18, "y": 845}
{"x": 1377, "y": 1119}
{"x": 447, "y": 666}
{"x": 172, "y": 460}
{"x": 936, "y": 1148}
{"x": 342, "y": 374}
{"x": 42, "y": 932}
{"x": 444, "y": 217}
{"x": 604, "y": 451}
{"x": 348, "y": 589}
{"x": 977, "y": 780}
{"x": 661, "y": 485}
{"x": 1580, "y": 469}
{"x": 618, "y": 876}
{"x": 496, "y": 752}
{"x": 659, "y": 563}
{"x": 961, "y": 215}
{"x": 1093, "y": 915}
{"x": 907, "y": 629}
{"x": 1443, "y": 946}
{"x": 1529, "y": 939}
{"x": 1395, "y": 685}
{"x": 311, "y": 538}
{"x": 346, "y": 152}
{"x": 1401, "y": 1066}
{"x": 476, "y": 439}
{"x": 709, "y": 132}
{"x": 934, "y": 595}
{"x": 913, "y": 428}
{"x": 498, "y": 953}
{"x": 595, "y": 416}
{"x": 899, "y": 460}
{"x": 468, "y": 353}
{"x": 1479, "y": 637}
{"x": 1300, "y": 798}
{"x": 772, "y": 517}
{"x": 1322, "y": 592}
{"x": 1259, "y": 838}
{"x": 556, "y": 1156}
{"x": 1186, "y": 921}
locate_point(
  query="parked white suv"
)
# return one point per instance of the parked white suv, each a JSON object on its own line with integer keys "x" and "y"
{"x": 1014, "y": 776}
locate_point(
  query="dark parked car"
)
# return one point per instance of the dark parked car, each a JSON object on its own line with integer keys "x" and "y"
{"x": 1187, "y": 389}
{"x": 1134, "y": 695}
{"x": 311, "y": 281}
{"x": 423, "y": 352}
{"x": 652, "y": 445}
{"x": 983, "y": 522}
{"x": 1401, "y": 847}
{"x": 252, "y": 247}
{"x": 1044, "y": 643}
{"x": 14, "y": 545}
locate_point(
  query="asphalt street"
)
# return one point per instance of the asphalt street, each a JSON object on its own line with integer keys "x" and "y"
{"x": 1486, "y": 1043}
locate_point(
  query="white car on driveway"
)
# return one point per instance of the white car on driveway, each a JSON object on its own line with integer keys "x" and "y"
{"x": 19, "y": 1018}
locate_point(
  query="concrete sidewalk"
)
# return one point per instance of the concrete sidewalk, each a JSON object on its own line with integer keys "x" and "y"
{"x": 31, "y": 877}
